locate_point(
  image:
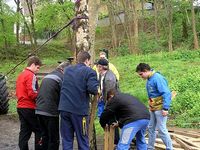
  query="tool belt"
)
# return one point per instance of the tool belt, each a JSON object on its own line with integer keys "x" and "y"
{"x": 155, "y": 103}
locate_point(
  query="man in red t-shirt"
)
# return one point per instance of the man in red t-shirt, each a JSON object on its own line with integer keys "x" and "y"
{"x": 26, "y": 92}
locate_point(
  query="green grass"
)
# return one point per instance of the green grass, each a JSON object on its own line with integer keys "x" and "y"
{"x": 12, "y": 106}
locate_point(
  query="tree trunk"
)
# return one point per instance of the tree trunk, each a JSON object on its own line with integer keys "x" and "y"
{"x": 82, "y": 26}
{"x": 17, "y": 22}
{"x": 196, "y": 43}
{"x": 111, "y": 15}
{"x": 184, "y": 28}
{"x": 93, "y": 18}
{"x": 127, "y": 21}
{"x": 156, "y": 19}
{"x": 3, "y": 26}
{"x": 168, "y": 6}
{"x": 30, "y": 5}
{"x": 135, "y": 49}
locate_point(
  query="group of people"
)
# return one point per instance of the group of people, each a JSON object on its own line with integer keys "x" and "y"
{"x": 65, "y": 93}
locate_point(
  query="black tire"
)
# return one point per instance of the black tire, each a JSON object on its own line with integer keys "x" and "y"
{"x": 3, "y": 96}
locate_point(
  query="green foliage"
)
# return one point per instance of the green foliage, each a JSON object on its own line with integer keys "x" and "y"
{"x": 102, "y": 15}
{"x": 52, "y": 16}
{"x": 148, "y": 44}
{"x": 7, "y": 18}
{"x": 98, "y": 30}
{"x": 123, "y": 50}
{"x": 12, "y": 106}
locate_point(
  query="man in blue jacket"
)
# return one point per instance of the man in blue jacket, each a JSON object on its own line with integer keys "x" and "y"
{"x": 79, "y": 81}
{"x": 159, "y": 103}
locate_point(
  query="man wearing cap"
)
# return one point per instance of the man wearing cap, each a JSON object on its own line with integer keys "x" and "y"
{"x": 47, "y": 107}
{"x": 102, "y": 55}
{"x": 108, "y": 81}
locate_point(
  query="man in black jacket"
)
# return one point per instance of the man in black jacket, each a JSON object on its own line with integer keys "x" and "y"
{"x": 132, "y": 117}
{"x": 47, "y": 107}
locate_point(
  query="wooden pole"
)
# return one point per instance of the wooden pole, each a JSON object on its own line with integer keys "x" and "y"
{"x": 109, "y": 138}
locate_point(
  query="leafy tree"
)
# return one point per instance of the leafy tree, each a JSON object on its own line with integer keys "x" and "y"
{"x": 7, "y": 19}
{"x": 51, "y": 16}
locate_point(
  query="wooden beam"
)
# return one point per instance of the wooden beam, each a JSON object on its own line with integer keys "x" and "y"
{"x": 111, "y": 137}
{"x": 188, "y": 141}
{"x": 106, "y": 139}
{"x": 187, "y": 134}
{"x": 184, "y": 145}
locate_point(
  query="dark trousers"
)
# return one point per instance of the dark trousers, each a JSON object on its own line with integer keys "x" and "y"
{"x": 49, "y": 127}
{"x": 28, "y": 124}
{"x": 70, "y": 124}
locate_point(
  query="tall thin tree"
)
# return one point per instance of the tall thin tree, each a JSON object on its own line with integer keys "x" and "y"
{"x": 196, "y": 42}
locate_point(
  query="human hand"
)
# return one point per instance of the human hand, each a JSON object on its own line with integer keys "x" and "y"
{"x": 115, "y": 124}
{"x": 164, "y": 112}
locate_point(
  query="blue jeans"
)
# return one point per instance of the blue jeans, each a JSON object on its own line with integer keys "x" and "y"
{"x": 129, "y": 131}
{"x": 158, "y": 121}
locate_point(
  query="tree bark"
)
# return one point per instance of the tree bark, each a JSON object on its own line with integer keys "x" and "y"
{"x": 111, "y": 15}
{"x": 168, "y": 6}
{"x": 135, "y": 49}
{"x": 82, "y": 26}
{"x": 93, "y": 18}
{"x": 30, "y": 5}
{"x": 3, "y": 26}
{"x": 196, "y": 43}
{"x": 17, "y": 22}
{"x": 156, "y": 19}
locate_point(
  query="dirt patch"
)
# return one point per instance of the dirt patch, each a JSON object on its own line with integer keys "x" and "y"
{"x": 9, "y": 129}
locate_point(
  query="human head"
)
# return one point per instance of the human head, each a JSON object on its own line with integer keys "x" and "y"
{"x": 62, "y": 65}
{"x": 102, "y": 65}
{"x": 34, "y": 64}
{"x": 111, "y": 93}
{"x": 102, "y": 55}
{"x": 143, "y": 70}
{"x": 84, "y": 57}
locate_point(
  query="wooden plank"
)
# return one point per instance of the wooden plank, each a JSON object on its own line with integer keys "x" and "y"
{"x": 111, "y": 138}
{"x": 193, "y": 135}
{"x": 92, "y": 116}
{"x": 184, "y": 145}
{"x": 106, "y": 133}
{"x": 188, "y": 141}
{"x": 196, "y": 140}
{"x": 174, "y": 129}
{"x": 174, "y": 143}
{"x": 160, "y": 146}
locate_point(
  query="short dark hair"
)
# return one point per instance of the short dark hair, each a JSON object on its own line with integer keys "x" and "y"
{"x": 142, "y": 67}
{"x": 34, "y": 60}
{"x": 83, "y": 56}
{"x": 112, "y": 91}
{"x": 62, "y": 65}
